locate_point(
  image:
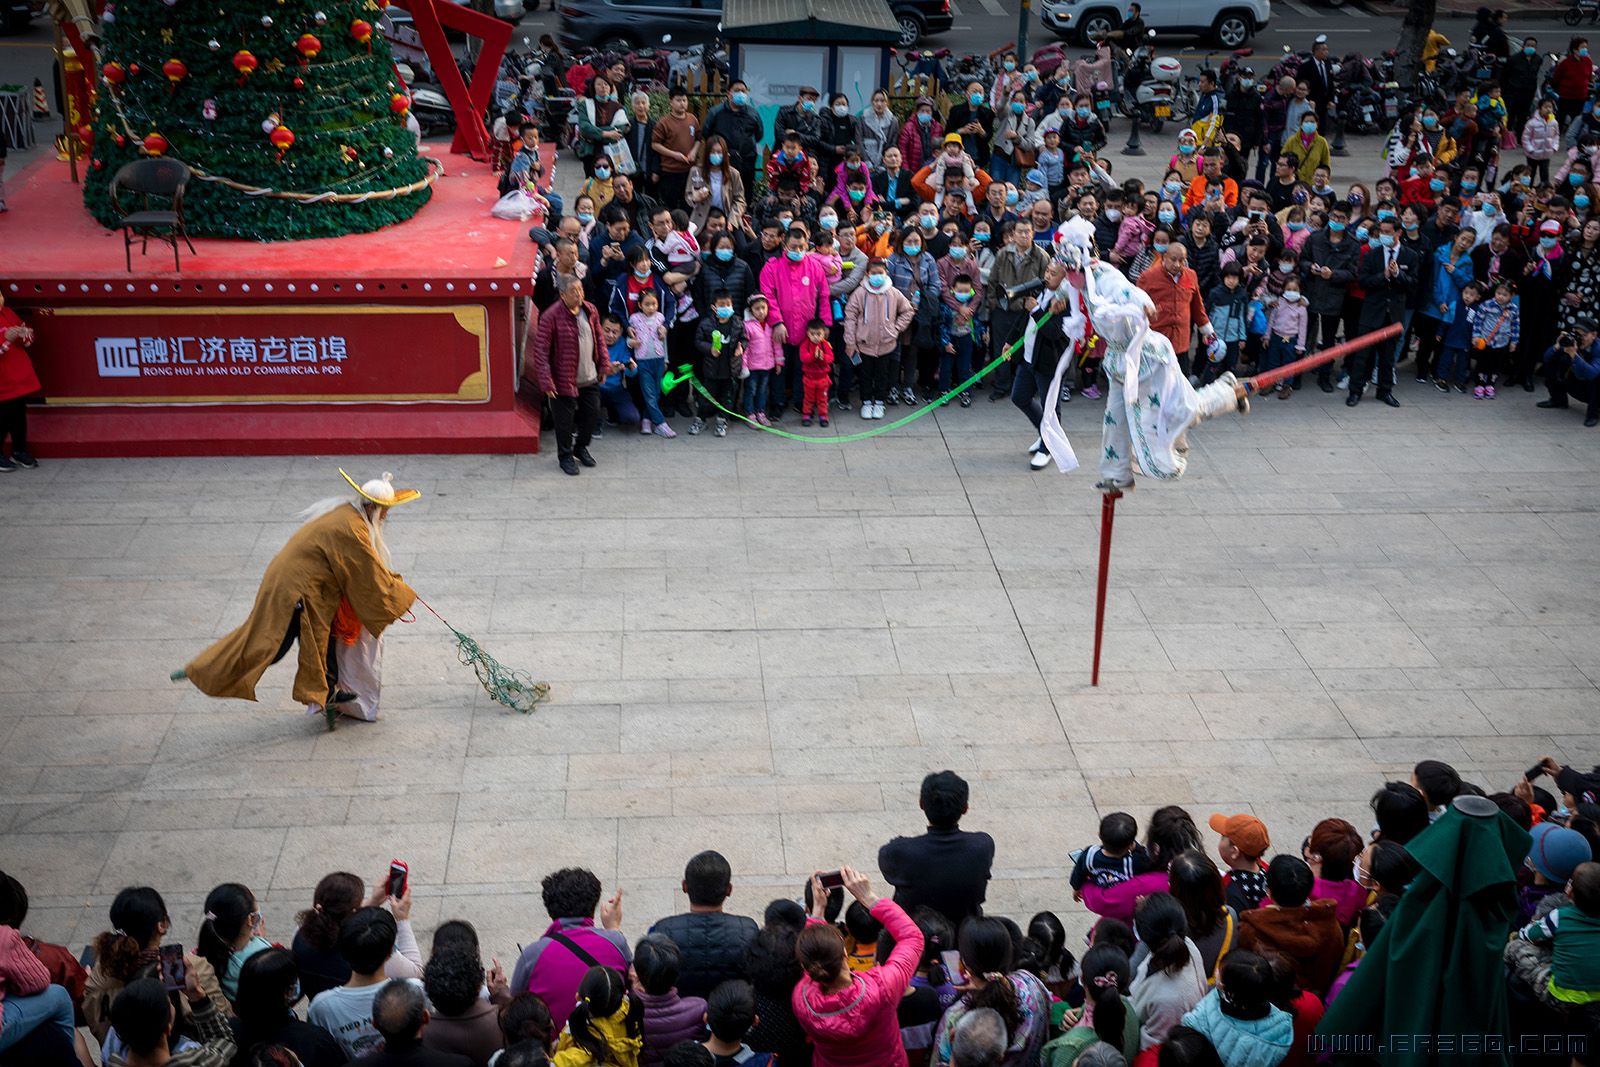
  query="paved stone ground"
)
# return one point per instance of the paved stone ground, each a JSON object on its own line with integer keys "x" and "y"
{"x": 762, "y": 646}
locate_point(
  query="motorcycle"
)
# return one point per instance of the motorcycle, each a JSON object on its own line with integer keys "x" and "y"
{"x": 1232, "y": 69}
{"x": 682, "y": 65}
{"x": 925, "y": 63}
{"x": 1150, "y": 85}
{"x": 1356, "y": 97}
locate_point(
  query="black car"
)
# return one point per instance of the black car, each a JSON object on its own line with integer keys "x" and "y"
{"x": 623, "y": 25}
{"x": 16, "y": 14}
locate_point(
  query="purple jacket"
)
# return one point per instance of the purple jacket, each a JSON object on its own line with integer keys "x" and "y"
{"x": 669, "y": 1019}
{"x": 551, "y": 970}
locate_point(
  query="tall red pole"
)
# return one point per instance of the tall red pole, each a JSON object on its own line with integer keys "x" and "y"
{"x": 1108, "y": 514}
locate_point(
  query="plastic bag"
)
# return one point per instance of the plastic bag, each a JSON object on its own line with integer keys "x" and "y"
{"x": 518, "y": 205}
{"x": 622, "y": 156}
{"x": 1256, "y": 319}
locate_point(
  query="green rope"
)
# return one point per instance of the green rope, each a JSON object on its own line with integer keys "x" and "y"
{"x": 515, "y": 689}
{"x": 1010, "y": 350}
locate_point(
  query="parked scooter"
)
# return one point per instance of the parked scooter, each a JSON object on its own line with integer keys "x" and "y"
{"x": 1149, "y": 85}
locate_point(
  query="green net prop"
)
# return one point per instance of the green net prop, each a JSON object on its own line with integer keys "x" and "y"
{"x": 515, "y": 689}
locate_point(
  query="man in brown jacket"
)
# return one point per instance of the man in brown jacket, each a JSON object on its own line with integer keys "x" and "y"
{"x": 1173, "y": 286}
{"x": 569, "y": 363}
{"x": 1305, "y": 932}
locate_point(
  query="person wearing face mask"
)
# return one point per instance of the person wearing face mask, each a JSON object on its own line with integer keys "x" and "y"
{"x": 804, "y": 116}
{"x": 1308, "y": 148}
{"x": 974, "y": 120}
{"x": 714, "y": 182}
{"x": 600, "y": 187}
{"x": 1421, "y": 137}
{"x": 914, "y": 272}
{"x": 852, "y": 275}
{"x": 269, "y": 987}
{"x": 796, "y": 288}
{"x": 1545, "y": 278}
{"x": 922, "y": 135}
{"x": 1241, "y": 112}
{"x": 879, "y": 129}
{"x": 602, "y": 124}
{"x": 1520, "y": 79}
{"x": 740, "y": 128}
{"x": 891, "y": 183}
{"x": 958, "y": 261}
{"x": 1011, "y": 149}
{"x": 1571, "y": 78}
{"x": 840, "y": 132}
{"x": 1387, "y": 273}
{"x": 1018, "y": 264}
{"x": 724, "y": 271}
{"x": 875, "y": 317}
{"x": 1187, "y": 159}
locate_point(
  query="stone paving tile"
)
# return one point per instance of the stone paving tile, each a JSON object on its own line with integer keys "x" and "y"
{"x": 763, "y": 648}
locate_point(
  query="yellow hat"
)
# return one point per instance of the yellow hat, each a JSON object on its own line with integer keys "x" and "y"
{"x": 382, "y": 490}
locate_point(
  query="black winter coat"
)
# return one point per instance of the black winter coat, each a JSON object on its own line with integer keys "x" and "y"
{"x": 712, "y": 943}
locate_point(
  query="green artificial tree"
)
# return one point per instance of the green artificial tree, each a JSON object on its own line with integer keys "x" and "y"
{"x": 288, "y": 112}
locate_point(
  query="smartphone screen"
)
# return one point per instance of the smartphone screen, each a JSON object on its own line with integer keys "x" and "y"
{"x": 174, "y": 971}
{"x": 832, "y": 879}
{"x": 397, "y": 879}
{"x": 951, "y": 959}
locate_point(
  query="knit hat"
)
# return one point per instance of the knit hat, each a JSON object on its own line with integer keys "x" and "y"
{"x": 1036, "y": 177}
{"x": 1248, "y": 833}
{"x": 1557, "y": 851}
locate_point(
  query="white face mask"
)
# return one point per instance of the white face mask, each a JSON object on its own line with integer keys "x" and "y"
{"x": 1292, "y": 297}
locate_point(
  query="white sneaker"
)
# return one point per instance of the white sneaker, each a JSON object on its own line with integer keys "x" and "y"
{"x": 1344, "y": 382}
{"x": 877, "y": 409}
{"x": 1040, "y": 460}
{"x": 1037, "y": 446}
{"x": 866, "y": 409}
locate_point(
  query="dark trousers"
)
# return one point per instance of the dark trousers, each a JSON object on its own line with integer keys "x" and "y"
{"x": 670, "y": 188}
{"x": 873, "y": 376}
{"x": 14, "y": 423}
{"x": 785, "y": 386}
{"x": 576, "y": 418}
{"x": 1004, "y": 328}
{"x": 292, "y": 634}
{"x": 1361, "y": 369}
{"x": 959, "y": 361}
{"x": 1430, "y": 342}
{"x": 1321, "y": 330}
{"x": 1030, "y": 390}
{"x": 844, "y": 372}
{"x": 1563, "y": 386}
{"x": 722, "y": 390}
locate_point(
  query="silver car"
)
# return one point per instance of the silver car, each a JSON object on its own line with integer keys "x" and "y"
{"x": 1228, "y": 23}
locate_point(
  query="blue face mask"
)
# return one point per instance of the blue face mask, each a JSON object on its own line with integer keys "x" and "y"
{"x": 1173, "y": 187}
{"x": 1308, "y": 127}
{"x": 1361, "y": 233}
{"x": 975, "y": 99}
{"x": 912, "y": 250}
{"x": 1530, "y": 51}
{"x": 1574, "y": 179}
{"x": 1429, "y": 122}
{"x": 1583, "y": 51}
{"x": 1580, "y": 201}
{"x": 963, "y": 297}
{"x": 1011, "y": 197}
{"x": 828, "y": 222}
{"x": 1386, "y": 214}
{"x": 1547, "y": 243}
{"x": 981, "y": 237}
{"x": 741, "y": 98}
{"x": 1469, "y": 187}
{"x": 1085, "y": 112}
{"x": 1018, "y": 108}
{"x": 724, "y": 255}
{"x": 1386, "y": 240}
{"x": 1030, "y": 75}
{"x": 1337, "y": 227}
{"x": 1245, "y": 83}
{"x": 1489, "y": 210}
{"x": 794, "y": 255}
{"x": 585, "y": 217}
{"x": 808, "y": 105}
{"x": 1010, "y": 65}
{"x": 1436, "y": 185}
{"x": 957, "y": 252}
{"x": 1065, "y": 110}
{"x": 924, "y": 117}
{"x": 724, "y": 313}
{"x": 878, "y": 281}
{"x": 1166, "y": 216}
{"x": 1159, "y": 247}
{"x": 715, "y": 159}
{"x": 602, "y": 173}
{"x": 1296, "y": 227}
{"x": 641, "y": 273}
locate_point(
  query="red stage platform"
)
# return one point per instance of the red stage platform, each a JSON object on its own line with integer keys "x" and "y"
{"x": 401, "y": 340}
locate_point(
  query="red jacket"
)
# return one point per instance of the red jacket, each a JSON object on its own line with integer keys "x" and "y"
{"x": 555, "y": 349}
{"x": 1571, "y": 76}
{"x": 1179, "y": 308}
{"x": 815, "y": 361}
{"x": 16, "y": 369}
{"x": 860, "y": 1026}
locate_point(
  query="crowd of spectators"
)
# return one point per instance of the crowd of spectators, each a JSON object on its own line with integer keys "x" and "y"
{"x": 1188, "y": 962}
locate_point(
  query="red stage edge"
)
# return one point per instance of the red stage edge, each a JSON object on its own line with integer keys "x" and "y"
{"x": 403, "y": 341}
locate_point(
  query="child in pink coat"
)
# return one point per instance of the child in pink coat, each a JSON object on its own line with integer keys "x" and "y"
{"x": 761, "y": 358}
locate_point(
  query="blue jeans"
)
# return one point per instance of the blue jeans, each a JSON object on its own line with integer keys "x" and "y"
{"x": 23, "y": 1015}
{"x": 650, "y": 372}
{"x": 1454, "y": 365}
{"x": 962, "y": 361}
{"x": 755, "y": 391}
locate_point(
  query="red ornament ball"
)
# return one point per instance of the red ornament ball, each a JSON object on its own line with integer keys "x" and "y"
{"x": 114, "y": 74}
{"x": 361, "y": 30}
{"x": 244, "y": 62}
{"x": 299, "y": 83}
{"x": 119, "y": 139}
{"x": 175, "y": 69}
{"x": 282, "y": 138}
{"x": 86, "y": 135}
{"x": 98, "y": 165}
{"x": 155, "y": 144}
{"x": 308, "y": 45}
{"x": 133, "y": 68}
{"x": 399, "y": 103}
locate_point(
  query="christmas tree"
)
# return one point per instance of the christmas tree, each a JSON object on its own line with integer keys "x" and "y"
{"x": 287, "y": 111}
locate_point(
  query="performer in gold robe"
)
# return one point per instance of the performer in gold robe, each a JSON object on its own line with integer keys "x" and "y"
{"x": 338, "y": 558}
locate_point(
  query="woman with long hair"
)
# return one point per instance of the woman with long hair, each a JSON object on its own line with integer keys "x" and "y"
{"x": 316, "y": 943}
{"x": 851, "y": 1016}
{"x": 269, "y": 986}
{"x": 988, "y": 959}
{"x": 1170, "y": 978}
{"x": 602, "y": 124}
{"x": 714, "y": 182}
{"x": 1196, "y": 884}
{"x": 1107, "y": 1014}
{"x": 230, "y": 933}
{"x": 773, "y": 969}
{"x": 1170, "y": 833}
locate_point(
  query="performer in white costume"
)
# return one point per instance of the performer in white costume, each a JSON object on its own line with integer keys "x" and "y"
{"x": 1150, "y": 405}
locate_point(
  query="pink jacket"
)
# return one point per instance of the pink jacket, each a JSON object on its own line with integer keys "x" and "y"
{"x": 1118, "y": 901}
{"x": 1132, "y": 235}
{"x": 1288, "y": 320}
{"x": 1348, "y": 897}
{"x": 841, "y": 191}
{"x": 23, "y": 974}
{"x": 1541, "y": 138}
{"x": 758, "y": 349}
{"x": 860, "y": 1026}
{"x": 796, "y": 293}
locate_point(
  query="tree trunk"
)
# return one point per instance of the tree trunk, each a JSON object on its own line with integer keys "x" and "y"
{"x": 1413, "y": 35}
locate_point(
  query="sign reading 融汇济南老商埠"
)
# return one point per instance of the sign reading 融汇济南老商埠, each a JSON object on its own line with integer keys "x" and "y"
{"x": 263, "y": 355}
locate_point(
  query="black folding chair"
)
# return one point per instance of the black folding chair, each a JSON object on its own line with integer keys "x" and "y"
{"x": 157, "y": 179}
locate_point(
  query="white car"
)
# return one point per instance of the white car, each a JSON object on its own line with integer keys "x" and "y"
{"x": 1229, "y": 23}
